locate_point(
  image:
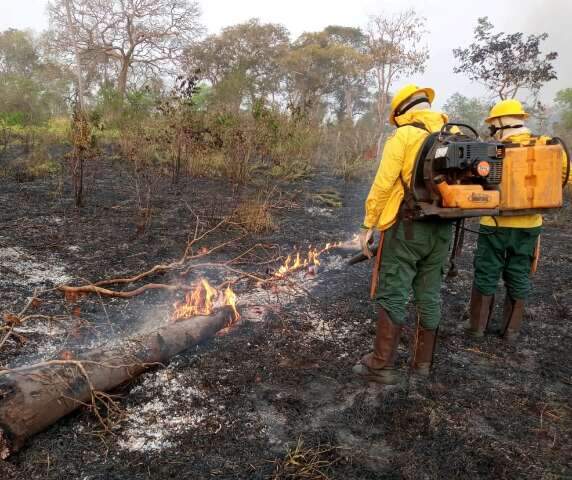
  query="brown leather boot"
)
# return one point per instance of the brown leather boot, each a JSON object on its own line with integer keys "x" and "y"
{"x": 513, "y": 313}
{"x": 481, "y": 310}
{"x": 378, "y": 366}
{"x": 424, "y": 347}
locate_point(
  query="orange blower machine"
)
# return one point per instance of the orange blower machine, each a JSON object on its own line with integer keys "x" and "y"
{"x": 457, "y": 175}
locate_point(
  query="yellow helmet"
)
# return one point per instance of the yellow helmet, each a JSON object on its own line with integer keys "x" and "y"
{"x": 510, "y": 107}
{"x": 404, "y": 94}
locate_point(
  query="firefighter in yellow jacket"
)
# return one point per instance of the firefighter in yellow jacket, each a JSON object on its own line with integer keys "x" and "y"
{"x": 506, "y": 245}
{"x": 413, "y": 252}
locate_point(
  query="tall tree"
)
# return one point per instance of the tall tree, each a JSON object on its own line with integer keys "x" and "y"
{"x": 350, "y": 83}
{"x": 243, "y": 61}
{"x": 324, "y": 71}
{"x": 395, "y": 49}
{"x": 505, "y": 62}
{"x": 32, "y": 86}
{"x": 18, "y": 54}
{"x": 308, "y": 68}
{"x": 72, "y": 32}
{"x": 147, "y": 36}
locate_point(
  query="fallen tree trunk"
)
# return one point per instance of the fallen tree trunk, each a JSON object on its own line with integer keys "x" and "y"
{"x": 34, "y": 397}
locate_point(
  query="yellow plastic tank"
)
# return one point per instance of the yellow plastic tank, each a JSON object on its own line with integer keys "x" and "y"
{"x": 532, "y": 178}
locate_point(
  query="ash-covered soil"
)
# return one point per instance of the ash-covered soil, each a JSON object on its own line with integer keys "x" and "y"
{"x": 275, "y": 395}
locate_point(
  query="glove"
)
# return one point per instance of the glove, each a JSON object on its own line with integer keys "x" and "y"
{"x": 365, "y": 239}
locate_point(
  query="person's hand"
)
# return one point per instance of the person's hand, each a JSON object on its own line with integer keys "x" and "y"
{"x": 365, "y": 239}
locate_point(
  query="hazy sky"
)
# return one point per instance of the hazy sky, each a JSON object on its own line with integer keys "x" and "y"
{"x": 450, "y": 25}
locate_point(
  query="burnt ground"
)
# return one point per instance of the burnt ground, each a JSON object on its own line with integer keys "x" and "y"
{"x": 280, "y": 381}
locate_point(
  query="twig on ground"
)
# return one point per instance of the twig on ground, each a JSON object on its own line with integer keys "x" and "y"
{"x": 17, "y": 319}
{"x": 72, "y": 293}
{"x": 305, "y": 463}
{"x": 480, "y": 352}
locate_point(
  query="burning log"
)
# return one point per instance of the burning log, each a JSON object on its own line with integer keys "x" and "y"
{"x": 34, "y": 397}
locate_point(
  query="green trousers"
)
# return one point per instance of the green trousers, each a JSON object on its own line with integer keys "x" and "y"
{"x": 507, "y": 252}
{"x": 416, "y": 264}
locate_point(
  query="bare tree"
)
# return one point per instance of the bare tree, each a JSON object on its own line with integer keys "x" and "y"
{"x": 72, "y": 35}
{"x": 80, "y": 125}
{"x": 395, "y": 49}
{"x": 147, "y": 35}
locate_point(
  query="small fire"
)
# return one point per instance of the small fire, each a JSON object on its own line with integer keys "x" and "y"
{"x": 299, "y": 261}
{"x": 203, "y": 300}
{"x": 230, "y": 300}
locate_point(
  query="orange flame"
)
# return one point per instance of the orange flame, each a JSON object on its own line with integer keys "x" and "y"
{"x": 230, "y": 300}
{"x": 203, "y": 300}
{"x": 312, "y": 258}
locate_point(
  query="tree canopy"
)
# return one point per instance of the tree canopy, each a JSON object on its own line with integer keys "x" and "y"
{"x": 243, "y": 61}
{"x": 33, "y": 87}
{"x": 506, "y": 62}
{"x": 118, "y": 36}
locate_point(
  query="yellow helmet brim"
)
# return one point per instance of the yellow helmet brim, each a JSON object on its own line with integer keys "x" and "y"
{"x": 429, "y": 92}
{"x": 492, "y": 117}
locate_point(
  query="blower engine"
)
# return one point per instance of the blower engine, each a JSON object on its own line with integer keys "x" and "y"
{"x": 457, "y": 175}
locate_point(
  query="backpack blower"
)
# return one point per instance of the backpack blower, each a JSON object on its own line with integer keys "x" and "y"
{"x": 457, "y": 175}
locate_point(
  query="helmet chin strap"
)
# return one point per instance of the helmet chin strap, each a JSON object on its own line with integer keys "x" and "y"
{"x": 408, "y": 106}
{"x": 493, "y": 129}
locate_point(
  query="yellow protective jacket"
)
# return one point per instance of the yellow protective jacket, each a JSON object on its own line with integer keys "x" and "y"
{"x": 522, "y": 221}
{"x": 397, "y": 162}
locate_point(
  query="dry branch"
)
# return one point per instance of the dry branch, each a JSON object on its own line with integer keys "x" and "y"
{"x": 19, "y": 318}
{"x": 72, "y": 293}
{"x": 136, "y": 278}
{"x": 34, "y": 397}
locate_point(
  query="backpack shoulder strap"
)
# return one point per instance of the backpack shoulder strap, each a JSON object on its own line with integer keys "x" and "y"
{"x": 419, "y": 125}
{"x": 407, "y": 208}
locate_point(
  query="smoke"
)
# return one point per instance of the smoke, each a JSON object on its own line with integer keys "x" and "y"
{"x": 552, "y": 17}
{"x": 454, "y": 30}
